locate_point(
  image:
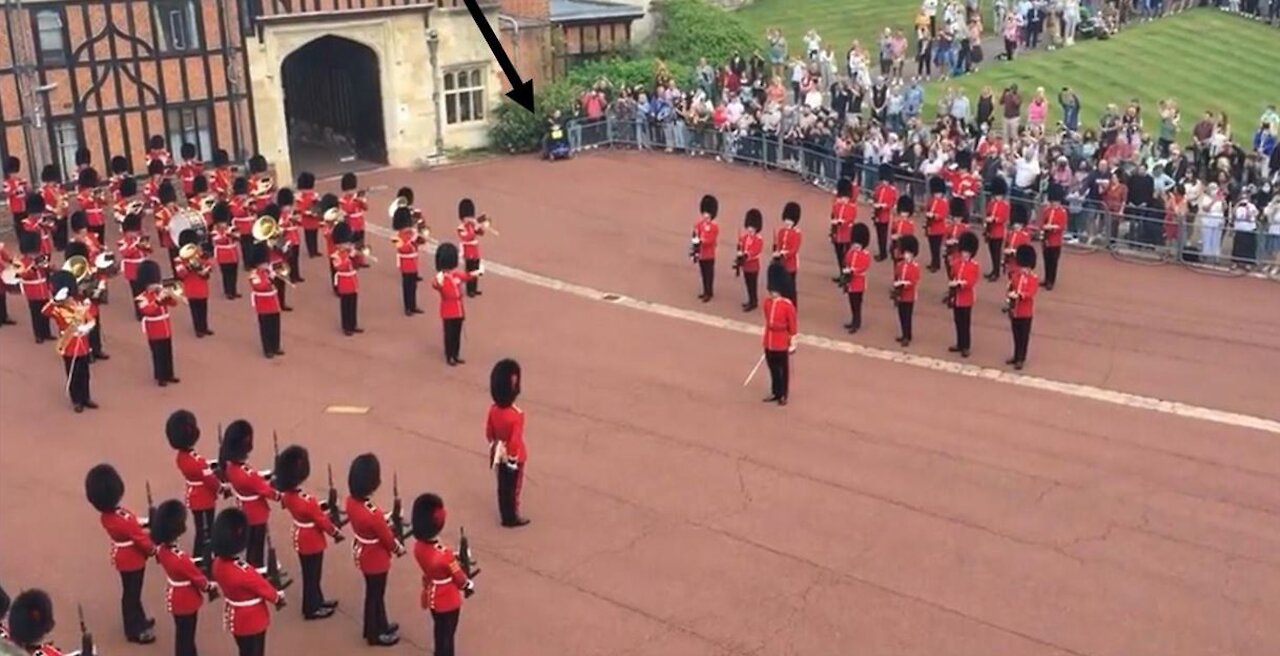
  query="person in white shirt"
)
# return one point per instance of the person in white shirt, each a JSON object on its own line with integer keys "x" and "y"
{"x": 1212, "y": 221}
{"x": 1026, "y": 170}
{"x": 812, "y": 44}
{"x": 930, "y": 9}
{"x": 813, "y": 99}
{"x": 1244, "y": 247}
{"x": 1271, "y": 217}
{"x": 798, "y": 72}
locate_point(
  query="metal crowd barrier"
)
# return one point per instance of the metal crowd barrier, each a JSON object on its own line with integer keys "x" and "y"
{"x": 1137, "y": 234}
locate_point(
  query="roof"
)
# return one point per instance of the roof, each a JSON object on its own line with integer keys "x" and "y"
{"x": 572, "y": 11}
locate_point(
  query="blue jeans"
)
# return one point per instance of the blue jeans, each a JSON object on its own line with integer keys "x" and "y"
{"x": 1071, "y": 117}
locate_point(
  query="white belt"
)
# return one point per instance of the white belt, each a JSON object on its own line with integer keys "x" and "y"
{"x": 163, "y": 317}
{"x": 244, "y": 498}
{"x": 304, "y": 524}
{"x": 195, "y": 483}
{"x": 407, "y": 256}
{"x": 345, "y": 274}
{"x": 122, "y": 545}
{"x": 442, "y": 581}
{"x": 366, "y": 540}
{"x": 37, "y": 281}
{"x": 132, "y": 261}
{"x": 270, "y": 293}
{"x": 243, "y": 604}
{"x": 178, "y": 584}
{"x": 470, "y": 243}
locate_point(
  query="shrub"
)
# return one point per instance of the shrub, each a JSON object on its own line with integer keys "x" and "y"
{"x": 690, "y": 29}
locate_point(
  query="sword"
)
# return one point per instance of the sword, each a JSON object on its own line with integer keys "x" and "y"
{"x": 753, "y": 371}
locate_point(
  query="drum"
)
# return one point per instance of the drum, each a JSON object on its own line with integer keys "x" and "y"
{"x": 9, "y": 277}
{"x": 187, "y": 219}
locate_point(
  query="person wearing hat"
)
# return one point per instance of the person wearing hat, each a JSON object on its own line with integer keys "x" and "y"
{"x": 250, "y": 487}
{"x": 194, "y": 273}
{"x": 780, "y": 327}
{"x": 444, "y": 580}
{"x": 957, "y": 224}
{"x": 245, "y": 590}
{"x": 374, "y": 545}
{"x": 40, "y": 222}
{"x": 33, "y": 279}
{"x": 885, "y": 202}
{"x": 305, "y": 205}
{"x": 1054, "y": 226}
{"x": 157, "y": 152}
{"x": 291, "y": 229}
{"x": 1018, "y": 235}
{"x": 277, "y": 258}
{"x": 187, "y": 584}
{"x": 5, "y": 602}
{"x": 55, "y": 200}
{"x": 242, "y": 216}
{"x": 1023, "y": 286}
{"x": 786, "y": 246}
{"x": 153, "y": 308}
{"x": 16, "y": 189}
{"x": 857, "y": 262}
{"x": 965, "y": 184}
{"x": 262, "y": 188}
{"x": 84, "y": 159}
{"x": 963, "y": 290}
{"x": 123, "y": 186}
{"x": 470, "y": 230}
{"x": 902, "y": 226}
{"x": 165, "y": 208}
{"x": 221, "y": 179}
{"x": 30, "y": 622}
{"x": 935, "y": 219}
{"x": 131, "y": 547}
{"x": 747, "y": 259}
{"x": 702, "y": 246}
{"x": 92, "y": 203}
{"x": 346, "y": 276}
{"x": 844, "y": 213}
{"x": 71, "y": 315}
{"x": 449, "y": 283}
{"x": 95, "y": 297}
{"x": 355, "y": 205}
{"x": 504, "y": 428}
{"x": 155, "y": 176}
{"x": 133, "y": 249}
{"x": 408, "y": 243}
{"x": 190, "y": 169}
{"x": 997, "y": 217}
{"x": 200, "y": 196}
{"x": 202, "y": 485}
{"x": 226, "y": 252}
{"x": 906, "y": 282}
{"x": 310, "y": 526}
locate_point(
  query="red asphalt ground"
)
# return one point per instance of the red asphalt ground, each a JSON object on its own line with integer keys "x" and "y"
{"x": 888, "y": 510}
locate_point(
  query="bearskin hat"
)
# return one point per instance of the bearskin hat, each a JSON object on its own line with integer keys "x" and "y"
{"x": 4, "y": 602}
{"x": 31, "y": 618}
{"x": 220, "y": 157}
{"x": 188, "y": 237}
{"x": 959, "y": 209}
{"x": 87, "y": 178}
{"x": 365, "y": 476}
{"x": 968, "y": 243}
{"x": 12, "y": 165}
{"x": 777, "y": 279}
{"x": 128, "y": 187}
{"x": 60, "y": 280}
{"x": 75, "y": 248}
{"x": 166, "y": 193}
{"x": 188, "y": 151}
{"x": 119, "y": 165}
{"x": 103, "y": 487}
{"x": 405, "y": 193}
{"x": 240, "y": 186}
{"x": 909, "y": 244}
{"x": 709, "y": 206}
{"x": 221, "y": 212}
{"x": 237, "y": 441}
{"x": 50, "y": 173}
{"x": 791, "y": 212}
{"x": 466, "y": 208}
{"x": 861, "y": 234}
{"x": 446, "y": 256}
{"x": 1057, "y": 193}
{"x": 998, "y": 186}
{"x": 504, "y": 382}
{"x": 428, "y": 516}
{"x": 257, "y": 164}
{"x": 200, "y": 185}
{"x": 155, "y": 167}
{"x": 402, "y": 218}
{"x": 349, "y": 181}
{"x": 1025, "y": 256}
{"x": 259, "y": 254}
{"x": 28, "y": 242}
{"x": 906, "y": 205}
{"x": 131, "y": 223}
{"x": 844, "y": 188}
{"x": 83, "y": 156}
{"x": 35, "y": 204}
{"x": 284, "y": 197}
{"x": 886, "y": 173}
{"x": 754, "y": 220}
{"x": 78, "y": 221}
{"x": 155, "y": 142}
{"x": 230, "y": 533}
{"x": 306, "y": 180}
{"x": 272, "y": 210}
{"x": 1018, "y": 215}
{"x": 342, "y": 233}
{"x": 937, "y": 185}
{"x": 148, "y": 273}
{"x": 292, "y": 468}
{"x": 964, "y": 159}
{"x": 169, "y": 522}
{"x": 181, "y": 428}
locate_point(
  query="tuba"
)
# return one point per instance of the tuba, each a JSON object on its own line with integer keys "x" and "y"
{"x": 266, "y": 229}
{"x": 333, "y": 215}
{"x": 396, "y": 204}
{"x": 78, "y": 266}
{"x": 262, "y": 187}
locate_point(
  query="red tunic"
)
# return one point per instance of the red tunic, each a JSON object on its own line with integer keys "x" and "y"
{"x": 290, "y": 226}
{"x": 786, "y": 245}
{"x": 1025, "y": 284}
{"x": 751, "y": 245}
{"x": 997, "y": 217}
{"x": 967, "y": 186}
{"x": 226, "y": 248}
{"x": 935, "y": 219}
{"x": 266, "y": 300}
{"x": 130, "y": 544}
{"x": 163, "y": 215}
{"x": 132, "y": 251}
{"x": 374, "y": 542}
{"x": 310, "y": 522}
{"x": 910, "y": 273}
{"x": 202, "y": 484}
{"x": 450, "y": 286}
{"x": 303, "y": 203}
{"x": 407, "y": 251}
{"x": 155, "y": 315}
{"x": 252, "y": 492}
{"x": 195, "y": 283}
{"x": 442, "y": 577}
{"x": 35, "y": 286}
{"x": 39, "y": 224}
{"x": 61, "y": 313}
{"x": 15, "y": 191}
{"x": 246, "y": 594}
{"x": 506, "y": 425}
{"x": 967, "y": 272}
{"x": 1017, "y": 238}
{"x": 94, "y": 213}
{"x": 951, "y": 240}
{"x": 780, "y": 323}
{"x": 345, "y": 276}
{"x": 355, "y": 208}
{"x": 186, "y": 582}
{"x": 469, "y": 236}
{"x": 886, "y": 199}
{"x": 844, "y": 213}
{"x": 1054, "y": 225}
{"x": 858, "y": 262}
{"x": 901, "y": 227}
{"x": 188, "y": 171}
{"x": 221, "y": 180}
{"x": 53, "y": 193}
{"x": 241, "y": 217}
{"x": 259, "y": 202}
{"x": 707, "y": 232}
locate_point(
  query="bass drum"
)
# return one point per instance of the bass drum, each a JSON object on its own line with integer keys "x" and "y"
{"x": 187, "y": 219}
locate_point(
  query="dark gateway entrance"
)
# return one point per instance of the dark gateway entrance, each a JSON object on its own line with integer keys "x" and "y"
{"x": 333, "y": 106}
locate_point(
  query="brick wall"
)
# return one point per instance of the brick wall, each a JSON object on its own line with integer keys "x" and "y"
{"x": 527, "y": 8}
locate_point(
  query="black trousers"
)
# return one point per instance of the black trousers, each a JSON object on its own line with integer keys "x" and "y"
{"x": 509, "y": 492}
{"x": 77, "y": 370}
{"x": 840, "y": 249}
{"x": 135, "y": 288}
{"x": 254, "y": 645}
{"x": 963, "y": 317}
{"x": 793, "y": 293}
{"x": 935, "y": 251}
{"x": 161, "y": 358}
{"x": 707, "y": 270}
{"x": 995, "y": 247}
{"x": 269, "y": 331}
{"x": 444, "y": 626}
{"x": 95, "y": 338}
{"x": 1021, "y": 338}
{"x": 200, "y": 315}
{"x": 312, "y": 595}
{"x": 855, "y": 310}
{"x": 312, "y": 237}
{"x": 1052, "y": 254}
{"x": 375, "y": 605}
{"x": 39, "y": 322}
{"x": 135, "y": 618}
{"x": 752, "y": 279}
{"x": 882, "y": 239}
{"x": 409, "y": 291}
{"x": 281, "y": 288}
{"x": 228, "y": 278}
{"x": 473, "y": 285}
{"x": 905, "y": 311}
{"x": 256, "y": 552}
{"x": 4, "y": 307}
{"x": 246, "y": 245}
{"x": 347, "y": 304}
{"x": 357, "y": 238}
{"x": 452, "y": 338}
{"x": 201, "y": 546}
{"x": 293, "y": 256}
{"x": 184, "y": 640}
{"x": 779, "y": 372}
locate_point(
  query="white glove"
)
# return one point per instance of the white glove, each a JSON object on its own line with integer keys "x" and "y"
{"x": 84, "y": 330}
{"x": 62, "y": 294}
{"x": 512, "y": 464}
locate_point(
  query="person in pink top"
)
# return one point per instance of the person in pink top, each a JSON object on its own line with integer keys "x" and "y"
{"x": 1038, "y": 109}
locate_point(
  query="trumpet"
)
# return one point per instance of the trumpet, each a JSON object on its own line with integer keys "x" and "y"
{"x": 487, "y": 225}
{"x": 419, "y": 237}
{"x": 262, "y": 186}
{"x": 132, "y": 207}
{"x": 172, "y": 288}
{"x": 367, "y": 254}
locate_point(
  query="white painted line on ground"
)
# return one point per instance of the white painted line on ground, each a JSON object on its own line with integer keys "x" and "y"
{"x": 1077, "y": 390}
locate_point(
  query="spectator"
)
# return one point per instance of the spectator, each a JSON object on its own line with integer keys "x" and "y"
{"x": 960, "y": 110}
{"x": 986, "y": 107}
{"x": 1070, "y": 104}
{"x": 812, "y": 44}
{"x": 799, "y": 71}
{"x": 1010, "y": 34}
{"x": 777, "y": 52}
{"x": 1271, "y": 219}
{"x": 913, "y": 100}
{"x": 1011, "y": 113}
{"x": 1212, "y": 220}
{"x": 1244, "y": 245}
{"x": 1038, "y": 109}
{"x": 886, "y": 52}
{"x": 1070, "y": 21}
{"x": 898, "y": 51}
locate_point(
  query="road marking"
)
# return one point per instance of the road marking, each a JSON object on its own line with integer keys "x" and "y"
{"x": 1077, "y": 390}
{"x": 347, "y": 410}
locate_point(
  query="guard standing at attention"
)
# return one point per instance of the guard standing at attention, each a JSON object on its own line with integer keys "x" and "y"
{"x": 844, "y": 213}
{"x": 901, "y": 227}
{"x": 246, "y": 591}
{"x": 906, "y": 281}
{"x": 935, "y": 221}
{"x": 1023, "y": 286}
{"x": 470, "y": 230}
{"x": 203, "y": 486}
{"x": 504, "y": 428}
{"x": 857, "y": 262}
{"x": 250, "y": 487}
{"x": 702, "y": 245}
{"x": 354, "y": 205}
{"x": 885, "y": 200}
{"x": 747, "y": 262}
{"x": 448, "y": 282}
{"x": 187, "y": 583}
{"x": 786, "y": 246}
{"x": 780, "y": 327}
{"x": 444, "y": 580}
{"x": 131, "y": 547}
{"x": 374, "y": 543}
{"x": 994, "y": 226}
{"x": 310, "y": 526}
{"x": 1054, "y": 226}
{"x": 963, "y": 291}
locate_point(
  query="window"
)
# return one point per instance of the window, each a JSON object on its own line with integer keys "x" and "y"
{"x": 190, "y": 125}
{"x": 464, "y": 96}
{"x": 66, "y": 140}
{"x": 176, "y": 24}
{"x": 50, "y": 36}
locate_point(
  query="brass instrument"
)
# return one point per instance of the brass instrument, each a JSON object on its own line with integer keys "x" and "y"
{"x": 78, "y": 266}
{"x": 169, "y": 288}
{"x": 396, "y": 204}
{"x": 334, "y": 215}
{"x": 132, "y": 207}
{"x": 78, "y": 323}
{"x": 262, "y": 186}
{"x": 281, "y": 271}
{"x": 367, "y": 254}
{"x": 190, "y": 256}
{"x": 207, "y": 202}
{"x": 266, "y": 229}
{"x": 10, "y": 276}
{"x": 487, "y": 225}
{"x": 419, "y": 237}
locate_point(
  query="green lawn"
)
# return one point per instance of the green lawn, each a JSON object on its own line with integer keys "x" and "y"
{"x": 838, "y": 22}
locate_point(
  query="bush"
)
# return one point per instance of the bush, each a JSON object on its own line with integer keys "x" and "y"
{"x": 516, "y": 130}
{"x": 690, "y": 29}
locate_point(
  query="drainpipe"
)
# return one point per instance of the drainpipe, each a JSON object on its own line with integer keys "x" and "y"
{"x": 515, "y": 39}
{"x": 433, "y": 45}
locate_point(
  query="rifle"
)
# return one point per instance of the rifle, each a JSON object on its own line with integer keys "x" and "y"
{"x": 86, "y": 638}
{"x": 218, "y": 469}
{"x": 397, "y": 510}
{"x": 465, "y": 558}
{"x": 738, "y": 261}
{"x": 335, "y": 515}
{"x": 151, "y": 506}
{"x": 274, "y": 575}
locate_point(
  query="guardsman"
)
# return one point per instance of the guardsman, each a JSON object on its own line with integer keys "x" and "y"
{"x": 291, "y": 229}
{"x": 310, "y": 526}
{"x": 262, "y": 189}
{"x": 92, "y": 203}
{"x": 902, "y": 226}
{"x": 354, "y": 204}
{"x": 203, "y": 485}
{"x": 449, "y": 281}
{"x": 786, "y": 246}
{"x": 72, "y": 315}
{"x": 963, "y": 289}
{"x": 166, "y": 208}
{"x": 155, "y": 177}
{"x": 994, "y": 225}
{"x": 780, "y": 327}
{"x": 153, "y": 305}
{"x": 906, "y": 281}
{"x": 1023, "y": 286}
{"x": 119, "y": 167}
{"x": 225, "y": 249}
{"x": 250, "y": 487}
{"x": 200, "y": 199}
{"x": 346, "y": 277}
{"x": 504, "y": 429}
{"x": 957, "y": 224}
{"x": 187, "y": 584}
{"x": 374, "y": 543}
{"x": 85, "y": 245}
{"x": 857, "y": 262}
{"x": 885, "y": 201}
{"x": 124, "y": 188}
{"x": 444, "y": 581}
{"x": 702, "y": 244}
{"x": 306, "y": 208}
{"x": 242, "y": 216}
{"x": 470, "y": 230}
{"x": 408, "y": 243}
{"x": 192, "y": 267}
{"x": 157, "y": 152}
{"x": 55, "y": 202}
{"x": 39, "y": 222}
{"x": 84, "y": 159}
{"x": 6, "y": 260}
{"x": 245, "y": 591}
{"x": 4, "y": 613}
{"x": 33, "y": 278}
{"x": 1018, "y": 235}
{"x": 844, "y": 213}
{"x": 190, "y": 169}
{"x": 30, "y": 621}
{"x": 1054, "y": 225}
{"x": 935, "y": 221}
{"x": 277, "y": 259}
{"x": 133, "y": 248}
{"x": 220, "y": 180}
{"x": 331, "y": 214}
{"x": 131, "y": 547}
{"x": 266, "y": 300}
{"x": 747, "y": 259}
{"x": 16, "y": 189}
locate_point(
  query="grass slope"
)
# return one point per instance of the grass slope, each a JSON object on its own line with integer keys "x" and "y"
{"x": 838, "y": 22}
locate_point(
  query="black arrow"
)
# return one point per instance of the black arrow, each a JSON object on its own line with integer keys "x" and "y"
{"x": 521, "y": 92}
